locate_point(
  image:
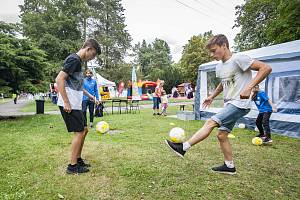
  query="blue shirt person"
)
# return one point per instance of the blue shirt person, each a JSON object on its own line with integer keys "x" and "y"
{"x": 265, "y": 108}
{"x": 90, "y": 85}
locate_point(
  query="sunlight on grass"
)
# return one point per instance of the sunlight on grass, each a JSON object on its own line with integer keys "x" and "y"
{"x": 136, "y": 164}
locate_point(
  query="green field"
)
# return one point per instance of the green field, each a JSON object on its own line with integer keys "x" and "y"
{"x": 136, "y": 164}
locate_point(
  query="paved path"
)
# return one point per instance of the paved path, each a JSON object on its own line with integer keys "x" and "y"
{"x": 9, "y": 109}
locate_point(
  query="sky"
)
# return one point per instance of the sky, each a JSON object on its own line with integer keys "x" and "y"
{"x": 174, "y": 21}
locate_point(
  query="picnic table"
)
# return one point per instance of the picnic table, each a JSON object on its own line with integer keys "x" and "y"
{"x": 119, "y": 103}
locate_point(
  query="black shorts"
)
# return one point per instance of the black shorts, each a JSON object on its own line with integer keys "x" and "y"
{"x": 74, "y": 120}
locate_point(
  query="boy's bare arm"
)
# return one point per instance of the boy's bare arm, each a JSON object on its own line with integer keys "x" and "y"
{"x": 60, "y": 81}
{"x": 217, "y": 91}
{"x": 208, "y": 100}
{"x": 263, "y": 71}
{"x": 88, "y": 94}
{"x": 274, "y": 109}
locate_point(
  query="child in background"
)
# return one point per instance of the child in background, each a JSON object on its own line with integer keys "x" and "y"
{"x": 164, "y": 101}
{"x": 265, "y": 108}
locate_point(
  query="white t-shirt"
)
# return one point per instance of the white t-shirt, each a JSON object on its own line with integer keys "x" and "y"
{"x": 235, "y": 75}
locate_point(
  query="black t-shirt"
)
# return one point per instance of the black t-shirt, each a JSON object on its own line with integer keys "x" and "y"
{"x": 72, "y": 66}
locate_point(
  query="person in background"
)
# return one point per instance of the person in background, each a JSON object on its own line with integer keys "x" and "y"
{"x": 265, "y": 108}
{"x": 90, "y": 85}
{"x": 164, "y": 102}
{"x": 156, "y": 98}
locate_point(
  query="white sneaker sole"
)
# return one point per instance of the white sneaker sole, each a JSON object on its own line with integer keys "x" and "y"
{"x": 178, "y": 154}
{"x": 220, "y": 172}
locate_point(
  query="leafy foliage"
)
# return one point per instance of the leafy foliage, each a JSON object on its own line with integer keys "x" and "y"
{"x": 22, "y": 64}
{"x": 266, "y": 22}
{"x": 60, "y": 27}
{"x": 155, "y": 63}
{"x": 194, "y": 54}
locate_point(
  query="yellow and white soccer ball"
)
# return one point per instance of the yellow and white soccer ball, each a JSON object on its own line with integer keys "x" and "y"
{"x": 102, "y": 127}
{"x": 257, "y": 141}
{"x": 177, "y": 135}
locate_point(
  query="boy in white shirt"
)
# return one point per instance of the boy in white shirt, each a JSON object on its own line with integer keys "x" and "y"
{"x": 236, "y": 84}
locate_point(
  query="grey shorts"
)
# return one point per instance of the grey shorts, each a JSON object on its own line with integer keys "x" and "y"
{"x": 227, "y": 117}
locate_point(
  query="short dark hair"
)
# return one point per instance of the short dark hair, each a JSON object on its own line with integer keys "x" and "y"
{"x": 219, "y": 40}
{"x": 92, "y": 43}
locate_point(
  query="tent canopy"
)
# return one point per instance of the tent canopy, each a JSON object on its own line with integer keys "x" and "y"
{"x": 104, "y": 82}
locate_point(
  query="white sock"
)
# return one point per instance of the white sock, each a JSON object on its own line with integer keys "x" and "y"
{"x": 229, "y": 164}
{"x": 186, "y": 146}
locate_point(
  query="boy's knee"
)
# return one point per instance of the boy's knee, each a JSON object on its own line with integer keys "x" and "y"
{"x": 222, "y": 136}
{"x": 211, "y": 123}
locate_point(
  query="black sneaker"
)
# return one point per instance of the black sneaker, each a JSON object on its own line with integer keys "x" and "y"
{"x": 176, "y": 147}
{"x": 81, "y": 162}
{"x": 224, "y": 169}
{"x": 260, "y": 135}
{"x": 76, "y": 169}
{"x": 267, "y": 140}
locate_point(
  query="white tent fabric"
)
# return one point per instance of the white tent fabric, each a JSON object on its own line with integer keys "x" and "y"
{"x": 104, "y": 82}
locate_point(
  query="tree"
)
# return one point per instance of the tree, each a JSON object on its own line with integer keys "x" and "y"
{"x": 22, "y": 64}
{"x": 266, "y": 22}
{"x": 172, "y": 76}
{"x": 194, "y": 54}
{"x": 107, "y": 24}
{"x": 60, "y": 27}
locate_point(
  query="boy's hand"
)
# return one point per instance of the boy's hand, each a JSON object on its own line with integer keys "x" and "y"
{"x": 274, "y": 109}
{"x": 67, "y": 107}
{"x": 207, "y": 102}
{"x": 245, "y": 94}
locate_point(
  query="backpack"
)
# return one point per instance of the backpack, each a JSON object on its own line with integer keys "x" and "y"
{"x": 99, "y": 110}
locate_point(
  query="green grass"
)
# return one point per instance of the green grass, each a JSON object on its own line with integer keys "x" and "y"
{"x": 137, "y": 164}
{"x": 31, "y": 106}
{"x": 49, "y": 106}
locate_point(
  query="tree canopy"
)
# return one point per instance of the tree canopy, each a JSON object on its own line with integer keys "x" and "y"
{"x": 194, "y": 54}
{"x": 266, "y": 22}
{"x": 23, "y": 66}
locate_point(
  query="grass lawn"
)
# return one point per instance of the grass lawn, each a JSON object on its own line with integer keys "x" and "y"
{"x": 136, "y": 164}
{"x": 31, "y": 106}
{"x": 49, "y": 106}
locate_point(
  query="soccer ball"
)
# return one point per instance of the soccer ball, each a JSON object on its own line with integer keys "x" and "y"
{"x": 257, "y": 141}
{"x": 241, "y": 125}
{"x": 102, "y": 127}
{"x": 177, "y": 135}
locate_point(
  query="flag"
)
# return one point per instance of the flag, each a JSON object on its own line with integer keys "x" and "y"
{"x": 135, "y": 91}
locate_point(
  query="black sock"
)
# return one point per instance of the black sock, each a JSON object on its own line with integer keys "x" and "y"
{"x": 79, "y": 159}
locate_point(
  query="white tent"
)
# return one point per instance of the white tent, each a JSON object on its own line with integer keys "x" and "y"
{"x": 104, "y": 82}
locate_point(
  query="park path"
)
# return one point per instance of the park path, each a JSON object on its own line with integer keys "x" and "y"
{"x": 9, "y": 109}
